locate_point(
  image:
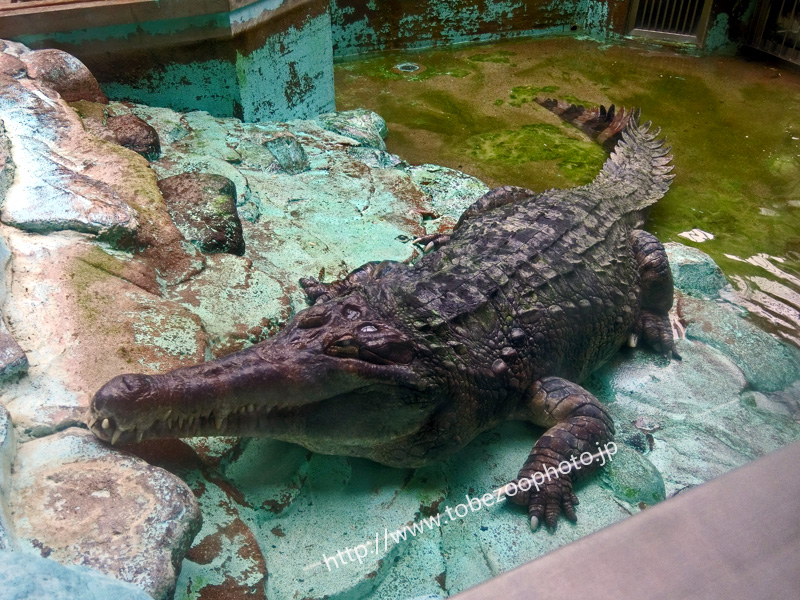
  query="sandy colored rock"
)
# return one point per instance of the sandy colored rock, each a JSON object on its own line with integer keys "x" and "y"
{"x": 84, "y": 316}
{"x": 53, "y": 193}
{"x": 65, "y": 74}
{"x": 78, "y": 501}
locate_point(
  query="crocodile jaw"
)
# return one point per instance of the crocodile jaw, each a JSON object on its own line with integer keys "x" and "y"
{"x": 270, "y": 390}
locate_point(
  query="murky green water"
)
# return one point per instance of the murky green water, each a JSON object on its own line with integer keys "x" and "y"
{"x": 733, "y": 125}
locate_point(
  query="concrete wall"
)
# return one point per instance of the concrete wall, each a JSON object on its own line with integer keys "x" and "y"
{"x": 253, "y": 59}
{"x": 373, "y": 25}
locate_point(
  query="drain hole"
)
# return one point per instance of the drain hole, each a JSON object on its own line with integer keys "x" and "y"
{"x": 407, "y": 67}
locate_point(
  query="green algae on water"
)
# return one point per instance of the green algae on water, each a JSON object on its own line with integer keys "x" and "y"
{"x": 577, "y": 160}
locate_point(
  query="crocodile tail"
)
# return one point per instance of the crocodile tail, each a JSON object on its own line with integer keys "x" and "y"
{"x": 639, "y": 168}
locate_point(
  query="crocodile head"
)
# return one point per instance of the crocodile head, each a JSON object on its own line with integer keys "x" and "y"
{"x": 337, "y": 379}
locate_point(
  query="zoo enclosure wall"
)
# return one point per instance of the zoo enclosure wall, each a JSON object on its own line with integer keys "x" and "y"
{"x": 273, "y": 59}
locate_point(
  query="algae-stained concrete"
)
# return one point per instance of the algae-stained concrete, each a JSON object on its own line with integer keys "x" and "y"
{"x": 257, "y": 60}
{"x": 731, "y": 123}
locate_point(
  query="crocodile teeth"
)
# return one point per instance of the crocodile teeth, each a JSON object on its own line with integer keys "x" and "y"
{"x": 189, "y": 421}
{"x": 106, "y": 424}
{"x": 219, "y": 420}
{"x": 251, "y": 408}
{"x": 91, "y": 422}
{"x": 180, "y": 422}
{"x": 139, "y": 435}
{"x": 115, "y": 437}
{"x": 633, "y": 340}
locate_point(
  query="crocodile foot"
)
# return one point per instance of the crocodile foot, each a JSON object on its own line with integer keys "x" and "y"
{"x": 546, "y": 495}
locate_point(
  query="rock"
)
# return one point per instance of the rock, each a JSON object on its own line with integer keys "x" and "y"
{"x": 203, "y": 207}
{"x": 364, "y": 126}
{"x": 54, "y": 193}
{"x": 135, "y": 134}
{"x": 288, "y": 152}
{"x": 63, "y": 73}
{"x": 12, "y": 66}
{"x": 13, "y": 360}
{"x": 84, "y": 316}
{"x": 237, "y": 303}
{"x": 632, "y": 478}
{"x": 769, "y": 364}
{"x": 78, "y": 501}
{"x": 26, "y": 576}
{"x": 785, "y": 402}
{"x": 7, "y": 451}
{"x": 7, "y": 167}
{"x": 13, "y": 48}
{"x": 377, "y": 159}
{"x": 451, "y": 192}
{"x": 694, "y": 272}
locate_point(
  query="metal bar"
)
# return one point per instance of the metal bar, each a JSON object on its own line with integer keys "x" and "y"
{"x": 662, "y": 11}
{"x": 694, "y": 17}
{"x": 686, "y": 15}
{"x": 649, "y": 9}
{"x": 675, "y": 6}
{"x": 789, "y": 26}
{"x": 785, "y": 33}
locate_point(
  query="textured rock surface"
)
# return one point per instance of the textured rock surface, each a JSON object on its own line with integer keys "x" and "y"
{"x": 26, "y": 576}
{"x": 56, "y": 189}
{"x": 768, "y": 364}
{"x": 7, "y": 450}
{"x": 13, "y": 360}
{"x": 78, "y": 501}
{"x": 203, "y": 207}
{"x": 289, "y": 153}
{"x": 133, "y": 133}
{"x": 364, "y": 126}
{"x": 63, "y": 73}
{"x": 694, "y": 272}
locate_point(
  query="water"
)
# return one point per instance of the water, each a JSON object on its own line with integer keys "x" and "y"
{"x": 732, "y": 123}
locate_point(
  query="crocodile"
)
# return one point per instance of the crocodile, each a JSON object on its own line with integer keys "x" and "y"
{"x": 502, "y": 319}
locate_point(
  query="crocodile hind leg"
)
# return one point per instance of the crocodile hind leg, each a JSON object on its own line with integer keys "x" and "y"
{"x": 579, "y": 424}
{"x": 655, "y": 276}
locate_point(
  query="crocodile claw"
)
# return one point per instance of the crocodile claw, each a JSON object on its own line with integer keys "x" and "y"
{"x": 434, "y": 241}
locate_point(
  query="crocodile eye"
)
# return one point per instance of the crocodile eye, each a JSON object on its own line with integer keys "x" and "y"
{"x": 368, "y": 329}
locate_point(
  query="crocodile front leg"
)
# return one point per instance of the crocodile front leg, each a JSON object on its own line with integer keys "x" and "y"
{"x": 579, "y": 424}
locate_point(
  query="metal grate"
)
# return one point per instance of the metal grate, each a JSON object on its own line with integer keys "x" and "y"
{"x": 674, "y": 20}
{"x": 777, "y": 29}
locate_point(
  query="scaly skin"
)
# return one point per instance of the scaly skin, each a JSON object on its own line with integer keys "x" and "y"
{"x": 405, "y": 365}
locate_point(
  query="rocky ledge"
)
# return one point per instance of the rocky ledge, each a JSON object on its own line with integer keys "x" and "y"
{"x": 140, "y": 239}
